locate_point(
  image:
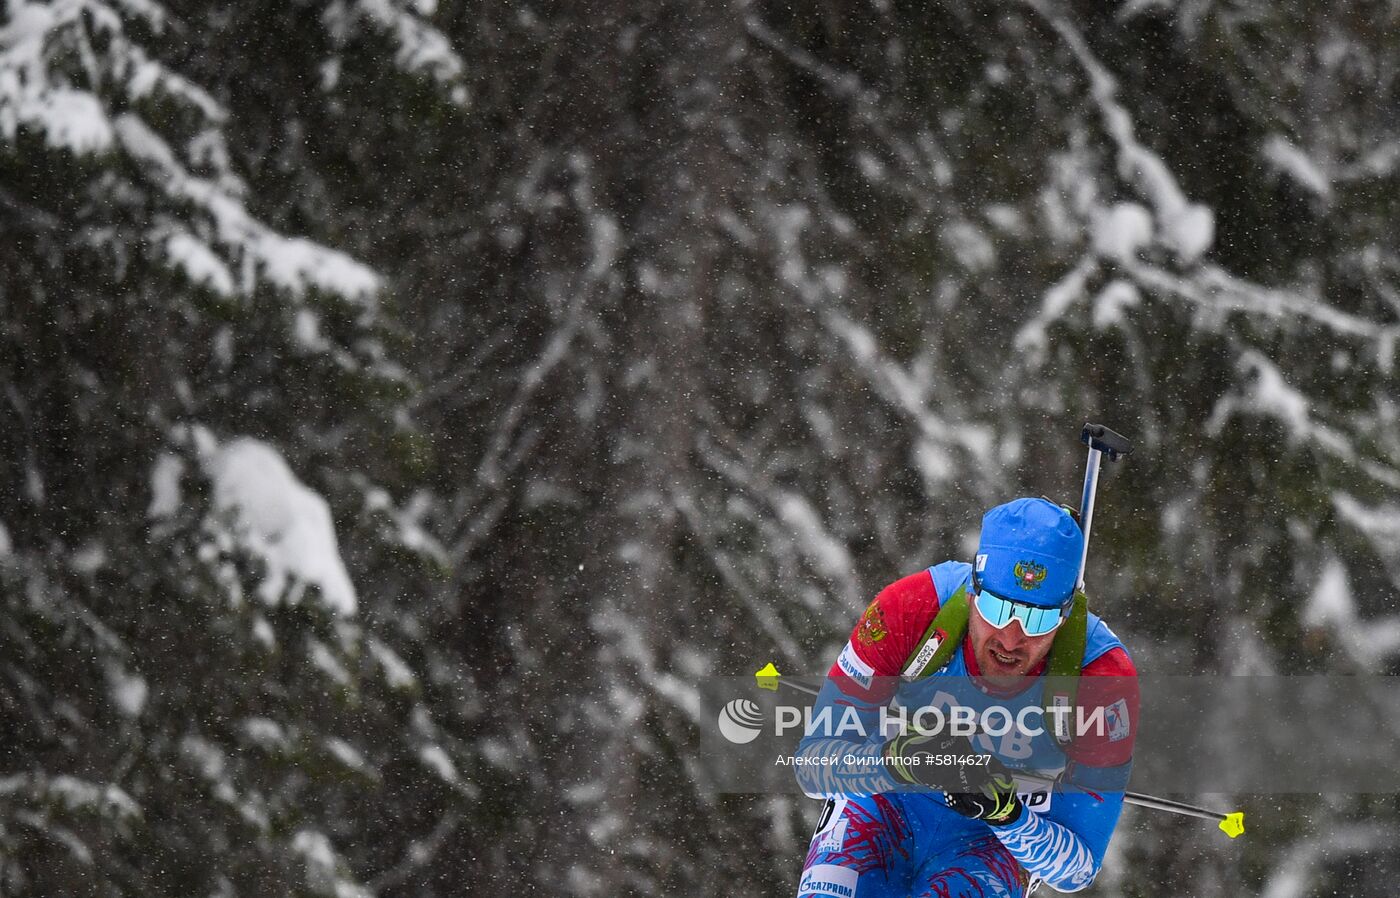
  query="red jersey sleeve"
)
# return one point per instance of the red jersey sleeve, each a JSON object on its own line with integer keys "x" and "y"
{"x": 884, "y": 638}
{"x": 1107, "y": 684}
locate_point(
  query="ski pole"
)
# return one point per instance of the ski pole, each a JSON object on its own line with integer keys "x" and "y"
{"x": 1101, "y": 441}
{"x": 1232, "y": 824}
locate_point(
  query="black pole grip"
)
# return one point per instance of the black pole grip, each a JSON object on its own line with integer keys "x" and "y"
{"x": 1114, "y": 445}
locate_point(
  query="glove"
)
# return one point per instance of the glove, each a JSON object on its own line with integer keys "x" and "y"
{"x": 995, "y": 803}
{"x": 939, "y": 761}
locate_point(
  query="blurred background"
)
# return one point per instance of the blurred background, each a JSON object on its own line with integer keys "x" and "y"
{"x": 373, "y": 368}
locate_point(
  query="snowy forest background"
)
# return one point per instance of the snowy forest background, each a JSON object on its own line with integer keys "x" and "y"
{"x": 403, "y": 402}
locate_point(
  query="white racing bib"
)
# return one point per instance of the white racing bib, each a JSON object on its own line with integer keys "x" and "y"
{"x": 1034, "y": 794}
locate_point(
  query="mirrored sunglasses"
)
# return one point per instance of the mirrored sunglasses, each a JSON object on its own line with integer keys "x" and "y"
{"x": 1035, "y": 620}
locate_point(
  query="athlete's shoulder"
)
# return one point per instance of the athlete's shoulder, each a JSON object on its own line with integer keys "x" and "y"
{"x": 1100, "y": 641}
{"x": 1116, "y": 662}
{"x": 887, "y": 632}
{"x": 897, "y": 618}
{"x": 949, "y": 576}
{"x": 913, "y": 594}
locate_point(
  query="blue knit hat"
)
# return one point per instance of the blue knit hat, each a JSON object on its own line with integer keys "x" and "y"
{"x": 1030, "y": 552}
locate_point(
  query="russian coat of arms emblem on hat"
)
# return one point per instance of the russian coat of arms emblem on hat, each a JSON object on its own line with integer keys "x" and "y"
{"x": 1029, "y": 574}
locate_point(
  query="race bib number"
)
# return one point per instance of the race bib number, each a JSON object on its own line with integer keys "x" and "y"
{"x": 1034, "y": 795}
{"x": 1037, "y": 800}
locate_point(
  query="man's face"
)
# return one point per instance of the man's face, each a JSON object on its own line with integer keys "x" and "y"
{"x": 1007, "y": 652}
